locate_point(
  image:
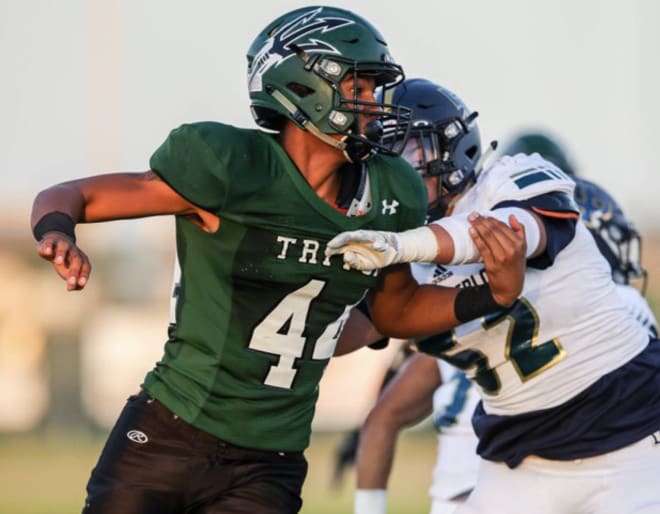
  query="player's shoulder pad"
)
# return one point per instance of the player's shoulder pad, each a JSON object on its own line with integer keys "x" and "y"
{"x": 520, "y": 177}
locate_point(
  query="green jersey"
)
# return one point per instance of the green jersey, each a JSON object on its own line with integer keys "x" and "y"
{"x": 258, "y": 306}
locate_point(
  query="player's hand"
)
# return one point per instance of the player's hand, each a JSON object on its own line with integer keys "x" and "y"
{"x": 69, "y": 261}
{"x": 503, "y": 250}
{"x": 368, "y": 250}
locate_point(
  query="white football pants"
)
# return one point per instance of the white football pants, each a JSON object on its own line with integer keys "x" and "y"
{"x": 621, "y": 482}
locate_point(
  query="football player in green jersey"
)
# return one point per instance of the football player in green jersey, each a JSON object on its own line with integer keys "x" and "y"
{"x": 222, "y": 420}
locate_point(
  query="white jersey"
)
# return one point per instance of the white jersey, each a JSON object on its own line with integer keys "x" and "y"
{"x": 568, "y": 328}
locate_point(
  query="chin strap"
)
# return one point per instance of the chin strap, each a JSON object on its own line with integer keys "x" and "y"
{"x": 352, "y": 147}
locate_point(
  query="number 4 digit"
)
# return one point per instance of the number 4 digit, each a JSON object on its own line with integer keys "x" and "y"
{"x": 281, "y": 333}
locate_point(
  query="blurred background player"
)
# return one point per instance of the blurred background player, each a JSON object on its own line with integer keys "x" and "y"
{"x": 548, "y": 363}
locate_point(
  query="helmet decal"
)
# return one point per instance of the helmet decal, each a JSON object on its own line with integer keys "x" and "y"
{"x": 279, "y": 46}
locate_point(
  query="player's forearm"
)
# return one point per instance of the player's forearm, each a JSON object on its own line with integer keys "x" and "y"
{"x": 456, "y": 246}
{"x": 64, "y": 198}
{"x": 418, "y": 312}
{"x": 357, "y": 333}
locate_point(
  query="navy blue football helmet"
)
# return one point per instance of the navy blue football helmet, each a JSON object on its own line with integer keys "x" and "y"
{"x": 444, "y": 138}
{"x": 617, "y": 238}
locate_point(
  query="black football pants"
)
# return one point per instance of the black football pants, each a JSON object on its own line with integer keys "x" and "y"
{"x": 155, "y": 463}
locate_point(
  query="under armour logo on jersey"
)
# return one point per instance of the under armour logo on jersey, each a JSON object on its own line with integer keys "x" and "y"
{"x": 389, "y": 208}
{"x": 137, "y": 437}
{"x": 279, "y": 47}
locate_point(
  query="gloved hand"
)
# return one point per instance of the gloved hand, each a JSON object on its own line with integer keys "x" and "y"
{"x": 366, "y": 250}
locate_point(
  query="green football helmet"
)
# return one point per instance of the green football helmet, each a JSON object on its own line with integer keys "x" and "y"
{"x": 295, "y": 66}
{"x": 544, "y": 145}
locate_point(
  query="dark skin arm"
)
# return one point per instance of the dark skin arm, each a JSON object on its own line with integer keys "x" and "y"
{"x": 406, "y": 399}
{"x": 400, "y": 307}
{"x": 357, "y": 332}
{"x": 104, "y": 198}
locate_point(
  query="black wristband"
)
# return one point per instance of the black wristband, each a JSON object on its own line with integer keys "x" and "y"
{"x": 474, "y": 302}
{"x": 55, "y": 222}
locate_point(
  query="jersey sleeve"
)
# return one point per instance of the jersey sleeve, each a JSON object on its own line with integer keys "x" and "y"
{"x": 191, "y": 167}
{"x": 556, "y": 212}
{"x": 523, "y": 177}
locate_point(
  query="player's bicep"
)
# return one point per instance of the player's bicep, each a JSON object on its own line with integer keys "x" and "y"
{"x": 557, "y": 215}
{"x": 131, "y": 195}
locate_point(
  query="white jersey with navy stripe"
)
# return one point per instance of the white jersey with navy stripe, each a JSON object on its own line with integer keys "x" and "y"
{"x": 568, "y": 328}
{"x": 512, "y": 178}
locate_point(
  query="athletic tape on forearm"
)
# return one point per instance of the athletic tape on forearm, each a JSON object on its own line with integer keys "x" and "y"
{"x": 465, "y": 251}
{"x": 417, "y": 245}
{"x": 370, "y": 501}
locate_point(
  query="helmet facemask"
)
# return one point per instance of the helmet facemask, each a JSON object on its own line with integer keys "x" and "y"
{"x": 432, "y": 148}
{"x": 621, "y": 245}
{"x": 344, "y": 117}
{"x": 616, "y": 237}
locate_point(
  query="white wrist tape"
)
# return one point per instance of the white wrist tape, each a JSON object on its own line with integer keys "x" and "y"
{"x": 370, "y": 501}
{"x": 457, "y": 226}
{"x": 417, "y": 245}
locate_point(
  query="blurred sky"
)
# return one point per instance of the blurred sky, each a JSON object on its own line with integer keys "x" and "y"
{"x": 92, "y": 86}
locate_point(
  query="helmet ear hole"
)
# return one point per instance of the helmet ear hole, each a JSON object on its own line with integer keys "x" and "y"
{"x": 472, "y": 151}
{"x": 300, "y": 90}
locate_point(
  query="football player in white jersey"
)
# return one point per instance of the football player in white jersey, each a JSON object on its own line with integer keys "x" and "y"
{"x": 413, "y": 395}
{"x": 569, "y": 419}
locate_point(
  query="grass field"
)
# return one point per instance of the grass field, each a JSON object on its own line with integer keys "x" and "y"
{"x": 46, "y": 474}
